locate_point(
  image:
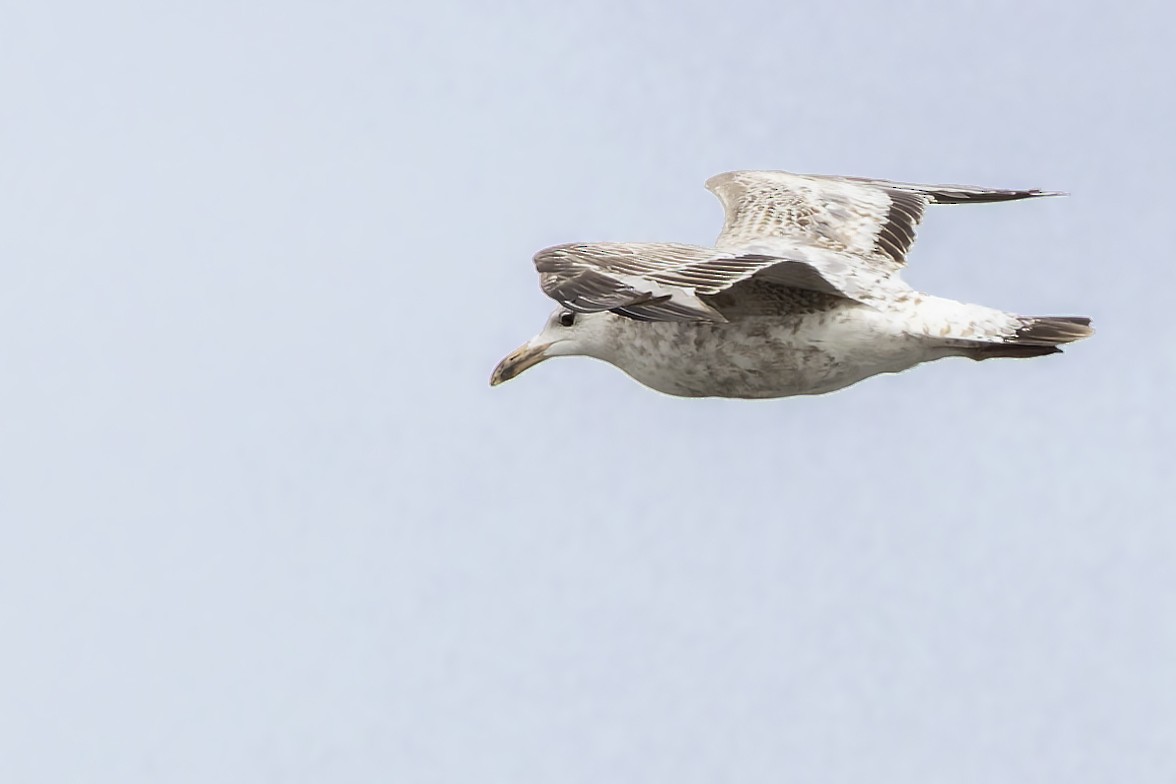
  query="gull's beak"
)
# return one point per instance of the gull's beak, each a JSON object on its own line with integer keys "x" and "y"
{"x": 517, "y": 361}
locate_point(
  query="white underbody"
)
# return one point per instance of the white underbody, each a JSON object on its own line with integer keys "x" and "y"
{"x": 799, "y": 354}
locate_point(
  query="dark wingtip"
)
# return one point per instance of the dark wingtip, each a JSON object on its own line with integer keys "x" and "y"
{"x": 1010, "y": 351}
{"x": 977, "y": 196}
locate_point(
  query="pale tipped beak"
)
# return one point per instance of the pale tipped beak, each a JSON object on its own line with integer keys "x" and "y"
{"x": 517, "y": 361}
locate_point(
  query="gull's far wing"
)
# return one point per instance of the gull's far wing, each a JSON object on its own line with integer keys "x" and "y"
{"x": 873, "y": 220}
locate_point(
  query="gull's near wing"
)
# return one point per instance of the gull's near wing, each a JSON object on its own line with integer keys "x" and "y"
{"x": 670, "y": 281}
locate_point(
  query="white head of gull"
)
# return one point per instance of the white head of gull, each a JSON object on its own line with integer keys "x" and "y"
{"x": 566, "y": 334}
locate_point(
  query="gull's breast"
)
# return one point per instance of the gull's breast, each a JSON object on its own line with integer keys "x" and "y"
{"x": 765, "y": 357}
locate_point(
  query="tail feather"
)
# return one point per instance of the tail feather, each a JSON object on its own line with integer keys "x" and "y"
{"x": 1052, "y": 330}
{"x": 1039, "y": 336}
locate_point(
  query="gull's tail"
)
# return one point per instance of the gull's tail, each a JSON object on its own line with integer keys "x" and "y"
{"x": 1038, "y": 336}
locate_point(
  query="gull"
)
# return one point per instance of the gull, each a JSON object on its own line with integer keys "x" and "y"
{"x": 800, "y": 295}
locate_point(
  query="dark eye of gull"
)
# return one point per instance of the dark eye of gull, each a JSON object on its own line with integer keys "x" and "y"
{"x": 567, "y": 318}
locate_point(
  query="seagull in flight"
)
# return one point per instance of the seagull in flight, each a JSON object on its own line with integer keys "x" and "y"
{"x": 800, "y": 295}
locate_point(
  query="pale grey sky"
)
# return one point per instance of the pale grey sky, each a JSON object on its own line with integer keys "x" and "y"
{"x": 264, "y": 520}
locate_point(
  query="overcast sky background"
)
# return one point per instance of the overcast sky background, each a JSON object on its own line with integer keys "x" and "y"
{"x": 264, "y": 521}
